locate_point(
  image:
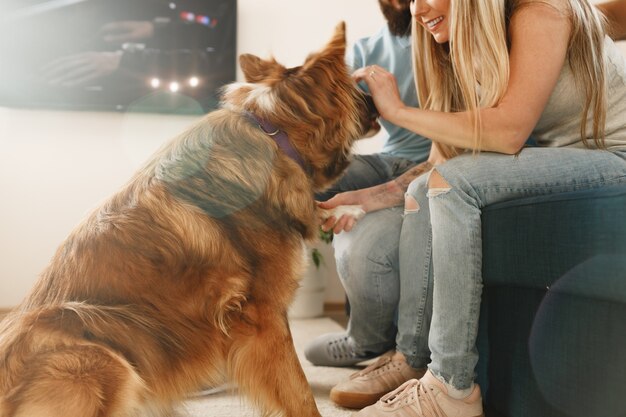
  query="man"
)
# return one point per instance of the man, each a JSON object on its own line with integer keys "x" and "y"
{"x": 367, "y": 263}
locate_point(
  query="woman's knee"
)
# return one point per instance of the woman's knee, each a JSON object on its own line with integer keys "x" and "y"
{"x": 417, "y": 187}
{"x": 437, "y": 181}
{"x": 415, "y": 194}
{"x": 437, "y": 184}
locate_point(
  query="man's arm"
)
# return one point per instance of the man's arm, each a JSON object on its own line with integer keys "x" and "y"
{"x": 378, "y": 197}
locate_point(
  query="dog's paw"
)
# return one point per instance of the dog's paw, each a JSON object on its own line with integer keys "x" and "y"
{"x": 353, "y": 210}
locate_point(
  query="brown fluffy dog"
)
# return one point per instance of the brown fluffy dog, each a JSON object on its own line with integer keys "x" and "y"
{"x": 184, "y": 277}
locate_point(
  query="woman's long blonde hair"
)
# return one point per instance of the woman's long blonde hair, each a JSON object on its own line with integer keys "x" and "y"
{"x": 472, "y": 70}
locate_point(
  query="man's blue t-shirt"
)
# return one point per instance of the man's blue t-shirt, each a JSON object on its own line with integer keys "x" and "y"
{"x": 394, "y": 54}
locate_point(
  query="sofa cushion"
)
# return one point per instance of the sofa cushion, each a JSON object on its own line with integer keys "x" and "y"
{"x": 531, "y": 242}
{"x": 577, "y": 343}
{"x": 554, "y": 304}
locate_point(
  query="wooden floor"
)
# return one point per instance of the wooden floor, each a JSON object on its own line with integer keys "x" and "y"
{"x": 336, "y": 312}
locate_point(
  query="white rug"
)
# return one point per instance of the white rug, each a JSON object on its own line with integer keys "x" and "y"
{"x": 321, "y": 379}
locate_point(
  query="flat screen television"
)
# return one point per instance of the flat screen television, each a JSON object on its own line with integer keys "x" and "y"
{"x": 121, "y": 55}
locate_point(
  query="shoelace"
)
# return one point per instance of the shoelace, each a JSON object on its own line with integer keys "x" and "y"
{"x": 340, "y": 348}
{"x": 382, "y": 363}
{"x": 413, "y": 391}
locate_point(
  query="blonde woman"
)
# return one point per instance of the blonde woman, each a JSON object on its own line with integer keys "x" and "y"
{"x": 489, "y": 74}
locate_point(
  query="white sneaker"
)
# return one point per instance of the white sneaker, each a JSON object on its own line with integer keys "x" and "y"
{"x": 427, "y": 397}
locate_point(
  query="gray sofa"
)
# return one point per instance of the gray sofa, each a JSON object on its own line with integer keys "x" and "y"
{"x": 552, "y": 336}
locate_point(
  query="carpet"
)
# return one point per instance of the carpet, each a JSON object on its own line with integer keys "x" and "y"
{"x": 227, "y": 403}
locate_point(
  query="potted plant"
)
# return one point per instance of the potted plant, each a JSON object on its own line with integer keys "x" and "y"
{"x": 309, "y": 301}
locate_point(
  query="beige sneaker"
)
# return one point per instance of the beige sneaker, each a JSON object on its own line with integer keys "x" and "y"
{"x": 427, "y": 397}
{"x": 367, "y": 386}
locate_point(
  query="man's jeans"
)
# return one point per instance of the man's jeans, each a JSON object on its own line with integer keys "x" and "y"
{"x": 367, "y": 257}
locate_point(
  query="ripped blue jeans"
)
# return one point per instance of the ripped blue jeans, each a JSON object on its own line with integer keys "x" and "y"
{"x": 367, "y": 257}
{"x": 384, "y": 299}
{"x": 456, "y": 191}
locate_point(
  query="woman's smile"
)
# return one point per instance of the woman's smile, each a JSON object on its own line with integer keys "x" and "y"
{"x": 433, "y": 24}
{"x": 432, "y": 15}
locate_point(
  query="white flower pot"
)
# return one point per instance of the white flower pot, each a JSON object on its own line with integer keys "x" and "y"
{"x": 310, "y": 297}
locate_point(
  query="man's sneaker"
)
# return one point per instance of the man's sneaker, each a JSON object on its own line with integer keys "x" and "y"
{"x": 367, "y": 386}
{"x": 335, "y": 349}
{"x": 427, "y": 397}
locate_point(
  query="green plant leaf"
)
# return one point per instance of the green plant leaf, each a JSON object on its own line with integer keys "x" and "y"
{"x": 317, "y": 257}
{"x": 326, "y": 237}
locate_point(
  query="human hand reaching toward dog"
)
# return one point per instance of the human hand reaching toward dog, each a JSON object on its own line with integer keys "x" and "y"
{"x": 389, "y": 194}
{"x": 341, "y": 217}
{"x": 383, "y": 87}
{"x": 367, "y": 199}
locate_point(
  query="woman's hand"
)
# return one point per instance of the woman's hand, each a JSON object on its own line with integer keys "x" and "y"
{"x": 384, "y": 89}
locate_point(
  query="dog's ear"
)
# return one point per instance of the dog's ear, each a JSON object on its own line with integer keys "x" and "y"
{"x": 256, "y": 69}
{"x": 334, "y": 51}
{"x": 337, "y": 44}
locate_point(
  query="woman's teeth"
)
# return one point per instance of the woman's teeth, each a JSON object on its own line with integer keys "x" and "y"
{"x": 432, "y": 23}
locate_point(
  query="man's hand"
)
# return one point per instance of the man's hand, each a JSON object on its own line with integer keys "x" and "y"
{"x": 335, "y": 216}
{"x": 367, "y": 199}
{"x": 347, "y": 215}
{"x": 378, "y": 197}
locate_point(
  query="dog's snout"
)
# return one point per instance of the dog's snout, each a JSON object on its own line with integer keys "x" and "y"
{"x": 371, "y": 106}
{"x": 370, "y": 116}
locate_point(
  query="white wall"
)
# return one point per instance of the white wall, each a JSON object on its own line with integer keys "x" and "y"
{"x": 291, "y": 29}
{"x": 56, "y": 166}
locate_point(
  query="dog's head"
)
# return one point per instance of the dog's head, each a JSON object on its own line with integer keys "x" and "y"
{"x": 317, "y": 104}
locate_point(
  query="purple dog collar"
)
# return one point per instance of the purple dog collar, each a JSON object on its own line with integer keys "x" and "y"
{"x": 281, "y": 139}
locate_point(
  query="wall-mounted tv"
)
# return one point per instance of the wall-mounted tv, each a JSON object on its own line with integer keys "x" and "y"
{"x": 120, "y": 55}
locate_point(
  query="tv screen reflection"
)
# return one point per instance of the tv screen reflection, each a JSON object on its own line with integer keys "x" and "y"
{"x": 124, "y": 55}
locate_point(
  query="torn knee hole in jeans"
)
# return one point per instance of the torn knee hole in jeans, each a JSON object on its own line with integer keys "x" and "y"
{"x": 437, "y": 185}
{"x": 410, "y": 204}
{"x": 434, "y": 192}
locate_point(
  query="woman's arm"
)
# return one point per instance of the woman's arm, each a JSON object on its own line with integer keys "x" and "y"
{"x": 539, "y": 40}
{"x": 615, "y": 11}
